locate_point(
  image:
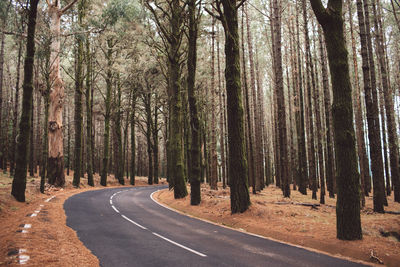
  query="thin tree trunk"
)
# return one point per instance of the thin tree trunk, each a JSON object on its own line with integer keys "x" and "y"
{"x": 302, "y": 155}
{"x": 388, "y": 97}
{"x": 19, "y": 181}
{"x": 78, "y": 101}
{"x": 107, "y": 117}
{"x": 89, "y": 123}
{"x": 281, "y": 120}
{"x": 213, "y": 150}
{"x": 15, "y": 122}
{"x": 310, "y": 85}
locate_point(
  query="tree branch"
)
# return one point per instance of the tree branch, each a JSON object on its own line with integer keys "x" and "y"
{"x": 63, "y": 10}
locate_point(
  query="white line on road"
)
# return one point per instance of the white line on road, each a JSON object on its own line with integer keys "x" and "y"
{"x": 181, "y": 246}
{"x": 115, "y": 208}
{"x": 135, "y": 223}
{"x": 158, "y": 235}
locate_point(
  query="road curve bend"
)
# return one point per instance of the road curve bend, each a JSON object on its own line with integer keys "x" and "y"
{"x": 125, "y": 227}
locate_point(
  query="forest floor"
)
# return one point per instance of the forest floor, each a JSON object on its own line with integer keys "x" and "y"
{"x": 283, "y": 219}
{"x": 49, "y": 242}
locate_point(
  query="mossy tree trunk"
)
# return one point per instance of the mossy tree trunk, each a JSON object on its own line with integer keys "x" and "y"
{"x": 19, "y": 181}
{"x": 240, "y": 198}
{"x": 89, "y": 123}
{"x": 107, "y": 116}
{"x": 78, "y": 99}
{"x": 195, "y": 148}
{"x": 16, "y": 104}
{"x": 133, "y": 138}
{"x": 348, "y": 221}
{"x": 119, "y": 157}
{"x": 172, "y": 31}
{"x": 281, "y": 119}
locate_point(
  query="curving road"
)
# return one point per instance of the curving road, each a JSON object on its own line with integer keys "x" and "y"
{"x": 125, "y": 227}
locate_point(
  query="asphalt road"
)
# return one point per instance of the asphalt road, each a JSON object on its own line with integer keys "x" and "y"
{"x": 125, "y": 227}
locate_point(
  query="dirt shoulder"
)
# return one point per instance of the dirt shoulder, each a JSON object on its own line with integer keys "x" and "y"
{"x": 272, "y": 216}
{"x": 48, "y": 242}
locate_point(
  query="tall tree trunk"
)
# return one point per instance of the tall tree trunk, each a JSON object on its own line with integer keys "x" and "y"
{"x": 15, "y": 122}
{"x": 89, "y": 123}
{"x": 362, "y": 154}
{"x": 348, "y": 222}
{"x": 371, "y": 101}
{"x": 19, "y": 181}
{"x": 149, "y": 122}
{"x": 213, "y": 148}
{"x": 155, "y": 140}
{"x": 175, "y": 104}
{"x": 31, "y": 142}
{"x": 119, "y": 157}
{"x": 257, "y": 145}
{"x": 264, "y": 158}
{"x": 310, "y": 85}
{"x": 249, "y": 124}
{"x": 317, "y": 99}
{"x": 78, "y": 101}
{"x": 133, "y": 139}
{"x": 302, "y": 155}
{"x": 388, "y": 97}
{"x": 240, "y": 199}
{"x": 281, "y": 120}
{"x": 55, "y": 164}
{"x": 221, "y": 96}
{"x": 107, "y": 117}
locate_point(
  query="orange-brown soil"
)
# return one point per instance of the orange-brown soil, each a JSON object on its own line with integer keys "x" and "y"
{"x": 49, "y": 242}
{"x": 273, "y": 216}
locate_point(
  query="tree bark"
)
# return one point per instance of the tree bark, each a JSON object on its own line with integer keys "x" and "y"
{"x": 195, "y": 149}
{"x": 89, "y": 122}
{"x": 240, "y": 199}
{"x": 107, "y": 116}
{"x": 348, "y": 222}
{"x": 279, "y": 90}
{"x": 388, "y": 99}
{"x": 78, "y": 101}
{"x": 19, "y": 181}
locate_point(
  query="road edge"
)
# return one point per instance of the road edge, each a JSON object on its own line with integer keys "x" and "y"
{"x": 338, "y": 256}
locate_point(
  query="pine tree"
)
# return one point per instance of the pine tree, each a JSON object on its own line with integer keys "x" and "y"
{"x": 348, "y": 222}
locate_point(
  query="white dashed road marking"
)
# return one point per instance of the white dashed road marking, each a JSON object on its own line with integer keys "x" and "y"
{"x": 158, "y": 235}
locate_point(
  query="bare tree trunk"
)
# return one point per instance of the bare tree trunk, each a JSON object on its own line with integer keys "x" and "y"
{"x": 388, "y": 97}
{"x": 348, "y": 205}
{"x": 15, "y": 122}
{"x": 302, "y": 155}
{"x": 19, "y": 181}
{"x": 258, "y": 154}
{"x": 214, "y": 160}
{"x": 251, "y": 169}
{"x": 310, "y": 85}
{"x": 222, "y": 115}
{"x": 362, "y": 155}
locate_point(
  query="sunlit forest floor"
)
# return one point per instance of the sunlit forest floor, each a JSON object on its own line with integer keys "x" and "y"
{"x": 273, "y": 216}
{"x": 49, "y": 242}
